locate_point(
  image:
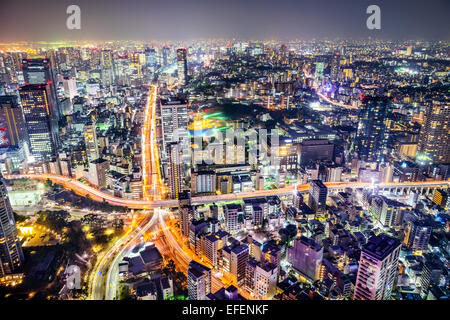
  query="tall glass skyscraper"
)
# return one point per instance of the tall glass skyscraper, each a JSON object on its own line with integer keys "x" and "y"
{"x": 182, "y": 66}
{"x": 378, "y": 268}
{"x": 11, "y": 255}
{"x": 37, "y": 114}
{"x": 373, "y": 129}
{"x": 39, "y": 72}
{"x": 434, "y": 138}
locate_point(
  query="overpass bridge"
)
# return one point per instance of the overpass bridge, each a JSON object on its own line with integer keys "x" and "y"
{"x": 86, "y": 190}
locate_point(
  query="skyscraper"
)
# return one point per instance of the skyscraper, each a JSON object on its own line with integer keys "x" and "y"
{"x": 182, "y": 66}
{"x": 334, "y": 66}
{"x": 186, "y": 215}
{"x": 434, "y": 140}
{"x": 39, "y": 72}
{"x": 90, "y": 141}
{"x": 165, "y": 56}
{"x": 373, "y": 129}
{"x": 199, "y": 281}
{"x": 11, "y": 121}
{"x": 107, "y": 67}
{"x": 317, "y": 199}
{"x": 174, "y": 114}
{"x": 175, "y": 169}
{"x": 39, "y": 126}
{"x": 378, "y": 268}
{"x": 11, "y": 255}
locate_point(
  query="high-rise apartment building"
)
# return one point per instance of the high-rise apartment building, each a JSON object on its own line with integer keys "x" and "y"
{"x": 434, "y": 140}
{"x": 175, "y": 169}
{"x": 374, "y": 129}
{"x": 213, "y": 243}
{"x": 265, "y": 281}
{"x": 238, "y": 261}
{"x": 378, "y": 268}
{"x": 186, "y": 215}
{"x": 174, "y": 115}
{"x": 199, "y": 281}
{"x": 233, "y": 214}
{"x": 388, "y": 212}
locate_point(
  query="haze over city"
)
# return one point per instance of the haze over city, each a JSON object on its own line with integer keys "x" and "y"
{"x": 242, "y": 19}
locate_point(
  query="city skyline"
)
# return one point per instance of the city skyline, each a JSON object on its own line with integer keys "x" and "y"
{"x": 225, "y": 169}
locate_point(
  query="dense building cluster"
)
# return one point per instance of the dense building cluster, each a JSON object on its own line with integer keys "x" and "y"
{"x": 300, "y": 170}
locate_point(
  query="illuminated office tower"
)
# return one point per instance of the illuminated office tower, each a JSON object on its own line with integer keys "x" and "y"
{"x": 374, "y": 129}
{"x": 91, "y": 142}
{"x": 175, "y": 169}
{"x": 319, "y": 70}
{"x": 441, "y": 198}
{"x": 39, "y": 72}
{"x": 11, "y": 121}
{"x": 107, "y": 66}
{"x": 182, "y": 66}
{"x": 165, "y": 56}
{"x": 434, "y": 139}
{"x": 174, "y": 114}
{"x": 317, "y": 199}
{"x": 11, "y": 255}
{"x": 378, "y": 268}
{"x": 106, "y": 58}
{"x": 38, "y": 121}
{"x": 150, "y": 57}
{"x": 199, "y": 281}
{"x": 284, "y": 54}
{"x": 334, "y": 66}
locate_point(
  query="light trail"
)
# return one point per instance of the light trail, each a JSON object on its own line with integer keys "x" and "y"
{"x": 97, "y": 195}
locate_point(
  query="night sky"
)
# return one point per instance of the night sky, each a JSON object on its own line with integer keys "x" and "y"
{"x": 243, "y": 19}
